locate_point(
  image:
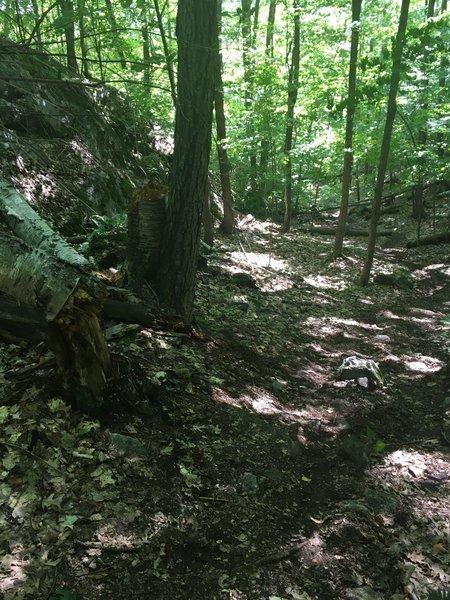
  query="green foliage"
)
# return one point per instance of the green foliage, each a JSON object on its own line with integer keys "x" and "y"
{"x": 255, "y": 101}
{"x": 439, "y": 595}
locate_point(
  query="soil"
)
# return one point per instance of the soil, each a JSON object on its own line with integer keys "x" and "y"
{"x": 233, "y": 463}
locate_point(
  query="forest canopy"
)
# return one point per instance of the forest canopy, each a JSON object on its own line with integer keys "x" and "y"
{"x": 132, "y": 45}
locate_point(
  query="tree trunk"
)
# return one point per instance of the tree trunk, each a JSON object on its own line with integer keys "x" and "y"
{"x": 292, "y": 99}
{"x": 418, "y": 209}
{"x": 145, "y": 225}
{"x": 348, "y": 149}
{"x": 169, "y": 64}
{"x": 208, "y": 223}
{"x": 387, "y": 135}
{"x": 197, "y": 35}
{"x": 84, "y": 53}
{"x": 441, "y": 150}
{"x": 265, "y": 145}
{"x": 67, "y": 296}
{"x": 146, "y": 51}
{"x": 66, "y": 7}
{"x": 227, "y": 225}
{"x": 37, "y": 24}
{"x": 115, "y": 29}
{"x": 247, "y": 60}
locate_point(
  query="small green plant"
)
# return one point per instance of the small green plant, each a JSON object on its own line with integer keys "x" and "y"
{"x": 375, "y": 445}
{"x": 439, "y": 595}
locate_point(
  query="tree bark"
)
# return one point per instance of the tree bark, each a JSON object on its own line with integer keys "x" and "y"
{"x": 115, "y": 28}
{"x": 146, "y": 51}
{"x": 66, "y": 7}
{"x": 84, "y": 52}
{"x": 418, "y": 208}
{"x": 265, "y": 145}
{"x": 197, "y": 35}
{"x": 348, "y": 149}
{"x": 387, "y": 135}
{"x": 292, "y": 99}
{"x": 247, "y": 60}
{"x": 169, "y": 64}
{"x": 227, "y": 224}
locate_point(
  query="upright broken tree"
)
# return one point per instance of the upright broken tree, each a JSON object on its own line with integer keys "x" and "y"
{"x": 40, "y": 271}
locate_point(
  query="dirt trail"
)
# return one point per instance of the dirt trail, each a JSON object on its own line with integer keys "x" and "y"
{"x": 261, "y": 475}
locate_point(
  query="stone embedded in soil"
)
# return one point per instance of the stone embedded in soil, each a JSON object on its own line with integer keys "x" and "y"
{"x": 362, "y": 593}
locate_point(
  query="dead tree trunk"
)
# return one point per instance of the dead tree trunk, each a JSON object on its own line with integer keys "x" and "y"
{"x": 41, "y": 271}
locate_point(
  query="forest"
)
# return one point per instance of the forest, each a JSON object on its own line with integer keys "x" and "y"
{"x": 224, "y": 300}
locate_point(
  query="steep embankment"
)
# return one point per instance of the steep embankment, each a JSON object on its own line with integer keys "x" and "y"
{"x": 73, "y": 147}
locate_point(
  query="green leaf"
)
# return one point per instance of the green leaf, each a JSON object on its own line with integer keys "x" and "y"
{"x": 69, "y": 521}
{"x": 4, "y": 414}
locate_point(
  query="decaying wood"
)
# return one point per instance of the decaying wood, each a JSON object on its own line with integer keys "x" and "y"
{"x": 28, "y": 323}
{"x": 146, "y": 216}
{"x": 348, "y": 231}
{"x": 47, "y": 276}
{"x": 436, "y": 238}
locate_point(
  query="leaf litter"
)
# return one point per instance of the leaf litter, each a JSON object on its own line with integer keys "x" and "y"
{"x": 231, "y": 462}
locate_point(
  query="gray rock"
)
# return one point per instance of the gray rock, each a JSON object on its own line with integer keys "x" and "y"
{"x": 362, "y": 593}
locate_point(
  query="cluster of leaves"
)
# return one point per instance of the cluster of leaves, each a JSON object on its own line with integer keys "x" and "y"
{"x": 122, "y": 41}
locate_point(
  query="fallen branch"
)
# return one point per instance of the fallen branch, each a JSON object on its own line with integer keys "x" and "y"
{"x": 348, "y": 232}
{"x": 436, "y": 238}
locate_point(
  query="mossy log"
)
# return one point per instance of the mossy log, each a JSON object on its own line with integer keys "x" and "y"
{"x": 436, "y": 238}
{"x": 349, "y": 231}
{"x": 45, "y": 274}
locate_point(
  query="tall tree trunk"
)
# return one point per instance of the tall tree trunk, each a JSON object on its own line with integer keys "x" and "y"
{"x": 387, "y": 135}
{"x": 208, "y": 223}
{"x": 292, "y": 99}
{"x": 227, "y": 225}
{"x": 255, "y": 22}
{"x": 115, "y": 28}
{"x": 348, "y": 148}
{"x": 146, "y": 51}
{"x": 37, "y": 24}
{"x": 197, "y": 36}
{"x": 66, "y": 7}
{"x": 247, "y": 59}
{"x": 418, "y": 209}
{"x": 84, "y": 52}
{"x": 19, "y": 22}
{"x": 97, "y": 39}
{"x": 169, "y": 64}
{"x": 265, "y": 145}
{"x": 270, "y": 28}
{"x": 443, "y": 85}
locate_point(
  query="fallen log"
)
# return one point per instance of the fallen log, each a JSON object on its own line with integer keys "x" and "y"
{"x": 45, "y": 274}
{"x": 27, "y": 323}
{"x": 349, "y": 231}
{"x": 436, "y": 238}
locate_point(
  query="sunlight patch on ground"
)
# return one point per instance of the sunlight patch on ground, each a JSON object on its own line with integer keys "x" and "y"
{"x": 424, "y": 273}
{"x": 323, "y": 282}
{"x": 258, "y": 259}
{"x": 331, "y": 326}
{"x": 39, "y": 185}
{"x": 414, "y": 473}
{"x": 426, "y": 320}
{"x": 262, "y": 402}
{"x": 417, "y": 363}
{"x": 423, "y": 364}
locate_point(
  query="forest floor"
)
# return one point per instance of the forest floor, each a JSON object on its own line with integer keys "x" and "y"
{"x": 236, "y": 465}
